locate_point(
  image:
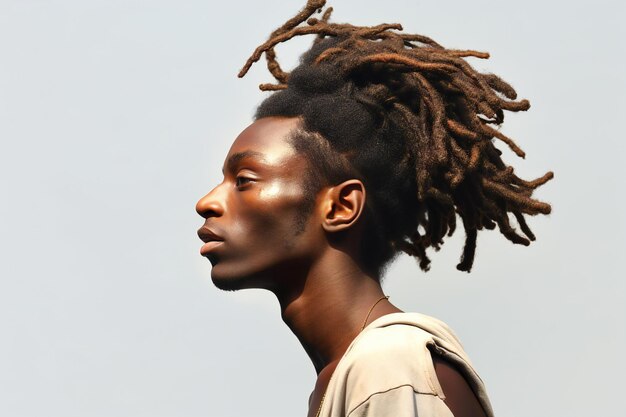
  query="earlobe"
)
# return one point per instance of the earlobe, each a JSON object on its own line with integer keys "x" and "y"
{"x": 344, "y": 205}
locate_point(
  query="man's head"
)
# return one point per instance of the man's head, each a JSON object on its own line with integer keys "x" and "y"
{"x": 408, "y": 120}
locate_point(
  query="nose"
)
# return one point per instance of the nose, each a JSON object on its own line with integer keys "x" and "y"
{"x": 211, "y": 205}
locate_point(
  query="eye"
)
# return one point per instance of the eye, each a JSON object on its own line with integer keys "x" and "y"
{"x": 241, "y": 181}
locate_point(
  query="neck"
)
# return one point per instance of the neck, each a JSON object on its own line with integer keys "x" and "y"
{"x": 327, "y": 311}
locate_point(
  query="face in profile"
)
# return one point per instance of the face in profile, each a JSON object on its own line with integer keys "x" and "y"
{"x": 258, "y": 219}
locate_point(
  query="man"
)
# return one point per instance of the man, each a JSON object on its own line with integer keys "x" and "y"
{"x": 372, "y": 145}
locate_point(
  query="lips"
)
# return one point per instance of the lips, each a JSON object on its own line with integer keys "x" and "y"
{"x": 208, "y": 235}
{"x": 211, "y": 240}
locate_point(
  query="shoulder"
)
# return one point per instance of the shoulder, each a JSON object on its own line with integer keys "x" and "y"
{"x": 398, "y": 350}
{"x": 389, "y": 359}
{"x": 402, "y": 356}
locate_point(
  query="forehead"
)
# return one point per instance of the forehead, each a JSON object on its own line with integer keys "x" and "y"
{"x": 269, "y": 137}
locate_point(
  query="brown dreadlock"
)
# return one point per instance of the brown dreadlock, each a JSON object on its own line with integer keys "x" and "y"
{"x": 440, "y": 107}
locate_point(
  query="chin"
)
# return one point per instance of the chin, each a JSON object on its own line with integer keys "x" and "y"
{"x": 229, "y": 281}
{"x": 224, "y": 282}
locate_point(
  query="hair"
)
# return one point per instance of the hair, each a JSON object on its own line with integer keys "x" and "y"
{"x": 411, "y": 119}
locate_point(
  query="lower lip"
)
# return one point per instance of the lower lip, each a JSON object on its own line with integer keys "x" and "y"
{"x": 209, "y": 246}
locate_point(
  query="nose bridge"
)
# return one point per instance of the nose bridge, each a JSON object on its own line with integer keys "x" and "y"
{"x": 212, "y": 204}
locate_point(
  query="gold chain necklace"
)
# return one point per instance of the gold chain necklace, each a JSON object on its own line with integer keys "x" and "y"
{"x": 385, "y": 297}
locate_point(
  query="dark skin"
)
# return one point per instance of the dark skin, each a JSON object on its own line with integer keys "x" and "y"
{"x": 257, "y": 236}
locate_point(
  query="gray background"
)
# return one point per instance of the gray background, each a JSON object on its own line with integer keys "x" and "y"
{"x": 114, "y": 119}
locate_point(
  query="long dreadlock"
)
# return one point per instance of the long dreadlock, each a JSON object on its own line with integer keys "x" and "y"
{"x": 435, "y": 103}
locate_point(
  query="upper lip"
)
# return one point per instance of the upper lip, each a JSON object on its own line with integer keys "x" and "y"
{"x": 207, "y": 235}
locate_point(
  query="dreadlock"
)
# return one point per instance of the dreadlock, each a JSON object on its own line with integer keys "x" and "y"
{"x": 415, "y": 121}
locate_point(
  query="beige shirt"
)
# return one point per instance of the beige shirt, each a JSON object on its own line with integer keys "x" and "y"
{"x": 388, "y": 370}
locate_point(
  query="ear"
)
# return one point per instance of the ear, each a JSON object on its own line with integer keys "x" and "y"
{"x": 343, "y": 205}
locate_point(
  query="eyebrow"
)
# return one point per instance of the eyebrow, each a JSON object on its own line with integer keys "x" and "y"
{"x": 237, "y": 157}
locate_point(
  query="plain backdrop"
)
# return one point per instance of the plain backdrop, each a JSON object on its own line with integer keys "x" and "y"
{"x": 115, "y": 117}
